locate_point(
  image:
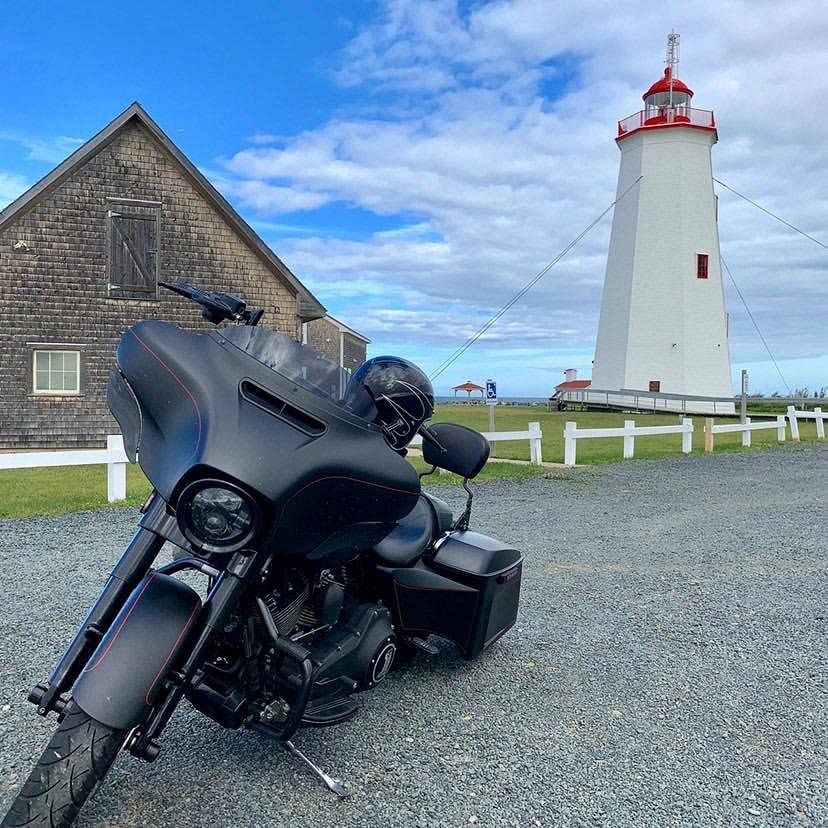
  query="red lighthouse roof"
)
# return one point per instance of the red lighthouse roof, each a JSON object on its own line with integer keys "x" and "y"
{"x": 663, "y": 85}
{"x": 668, "y": 104}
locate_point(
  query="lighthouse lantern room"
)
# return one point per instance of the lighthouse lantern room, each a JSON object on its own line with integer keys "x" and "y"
{"x": 663, "y": 325}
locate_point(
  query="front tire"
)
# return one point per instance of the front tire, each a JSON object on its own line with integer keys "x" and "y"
{"x": 73, "y": 764}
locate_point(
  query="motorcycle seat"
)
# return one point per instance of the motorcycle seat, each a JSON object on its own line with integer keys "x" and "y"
{"x": 409, "y": 539}
{"x": 442, "y": 513}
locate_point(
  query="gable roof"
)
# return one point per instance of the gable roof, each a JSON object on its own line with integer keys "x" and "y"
{"x": 309, "y": 306}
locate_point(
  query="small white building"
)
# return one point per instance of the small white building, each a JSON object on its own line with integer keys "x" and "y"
{"x": 663, "y": 325}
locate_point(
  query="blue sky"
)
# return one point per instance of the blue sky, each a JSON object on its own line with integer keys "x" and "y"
{"x": 415, "y": 163}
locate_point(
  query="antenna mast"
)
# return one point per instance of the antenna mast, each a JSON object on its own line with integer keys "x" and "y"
{"x": 672, "y": 58}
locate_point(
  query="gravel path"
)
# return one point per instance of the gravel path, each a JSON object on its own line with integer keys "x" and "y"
{"x": 668, "y": 668}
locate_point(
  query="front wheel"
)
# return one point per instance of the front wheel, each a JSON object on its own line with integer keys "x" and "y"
{"x": 72, "y": 766}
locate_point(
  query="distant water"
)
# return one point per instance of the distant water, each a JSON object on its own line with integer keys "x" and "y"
{"x": 502, "y": 400}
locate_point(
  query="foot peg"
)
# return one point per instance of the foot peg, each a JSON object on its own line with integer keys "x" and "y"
{"x": 423, "y": 645}
{"x": 330, "y": 783}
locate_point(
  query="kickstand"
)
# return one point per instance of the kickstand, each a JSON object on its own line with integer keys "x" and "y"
{"x": 330, "y": 784}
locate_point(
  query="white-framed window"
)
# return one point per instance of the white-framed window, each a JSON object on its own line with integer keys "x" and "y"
{"x": 56, "y": 372}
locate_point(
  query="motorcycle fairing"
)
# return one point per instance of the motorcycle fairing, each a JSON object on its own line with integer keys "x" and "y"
{"x": 195, "y": 420}
{"x": 126, "y": 410}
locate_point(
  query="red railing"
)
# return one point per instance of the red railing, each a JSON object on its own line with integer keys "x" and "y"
{"x": 667, "y": 116}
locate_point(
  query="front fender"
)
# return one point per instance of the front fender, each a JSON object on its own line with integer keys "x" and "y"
{"x": 118, "y": 685}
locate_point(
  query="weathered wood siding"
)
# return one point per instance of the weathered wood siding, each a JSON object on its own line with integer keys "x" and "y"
{"x": 353, "y": 352}
{"x": 324, "y": 336}
{"x": 54, "y": 289}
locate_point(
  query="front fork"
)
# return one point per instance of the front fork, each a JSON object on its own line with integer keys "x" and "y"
{"x": 135, "y": 563}
{"x": 128, "y": 572}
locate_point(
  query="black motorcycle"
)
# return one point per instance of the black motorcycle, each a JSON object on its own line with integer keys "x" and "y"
{"x": 285, "y": 484}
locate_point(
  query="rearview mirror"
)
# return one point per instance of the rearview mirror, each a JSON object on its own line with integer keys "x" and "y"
{"x": 461, "y": 450}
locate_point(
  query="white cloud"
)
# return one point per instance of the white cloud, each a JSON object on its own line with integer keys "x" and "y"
{"x": 264, "y": 138}
{"x": 50, "y": 150}
{"x": 464, "y": 133}
{"x": 267, "y": 198}
{"x": 11, "y": 186}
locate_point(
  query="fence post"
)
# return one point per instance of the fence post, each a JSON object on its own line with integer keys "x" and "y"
{"x": 535, "y": 450}
{"x": 708, "y": 435}
{"x": 780, "y": 427}
{"x": 569, "y": 443}
{"x": 820, "y": 423}
{"x": 794, "y": 424}
{"x": 746, "y": 433}
{"x": 687, "y": 435}
{"x": 629, "y": 439}
{"x": 115, "y": 469}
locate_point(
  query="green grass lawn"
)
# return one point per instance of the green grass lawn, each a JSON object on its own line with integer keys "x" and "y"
{"x": 766, "y": 405}
{"x": 54, "y": 491}
{"x": 27, "y": 492}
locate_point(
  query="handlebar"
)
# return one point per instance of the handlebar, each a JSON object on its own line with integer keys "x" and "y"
{"x": 216, "y": 305}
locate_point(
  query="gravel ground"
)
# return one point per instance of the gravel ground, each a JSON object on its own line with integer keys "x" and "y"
{"x": 668, "y": 668}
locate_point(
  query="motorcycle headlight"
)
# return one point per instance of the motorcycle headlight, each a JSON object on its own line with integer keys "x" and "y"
{"x": 217, "y": 516}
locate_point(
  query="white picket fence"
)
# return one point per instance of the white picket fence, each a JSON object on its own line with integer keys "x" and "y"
{"x": 794, "y": 416}
{"x": 113, "y": 456}
{"x": 710, "y": 429}
{"x": 533, "y": 434}
{"x": 629, "y": 432}
{"x": 115, "y": 459}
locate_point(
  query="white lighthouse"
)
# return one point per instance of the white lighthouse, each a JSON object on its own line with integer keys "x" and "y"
{"x": 663, "y": 325}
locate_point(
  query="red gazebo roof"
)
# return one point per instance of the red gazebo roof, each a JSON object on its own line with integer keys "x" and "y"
{"x": 574, "y": 384}
{"x": 468, "y": 385}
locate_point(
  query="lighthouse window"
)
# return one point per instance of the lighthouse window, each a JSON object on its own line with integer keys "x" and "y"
{"x": 701, "y": 265}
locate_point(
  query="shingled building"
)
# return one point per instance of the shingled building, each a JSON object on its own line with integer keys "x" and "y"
{"x": 81, "y": 254}
{"x": 337, "y": 341}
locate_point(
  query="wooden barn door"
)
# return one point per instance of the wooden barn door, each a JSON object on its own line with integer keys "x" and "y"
{"x": 133, "y": 251}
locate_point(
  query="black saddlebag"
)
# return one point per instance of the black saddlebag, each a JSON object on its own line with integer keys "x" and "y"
{"x": 468, "y": 592}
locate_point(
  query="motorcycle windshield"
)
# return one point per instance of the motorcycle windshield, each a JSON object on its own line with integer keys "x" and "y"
{"x": 299, "y": 363}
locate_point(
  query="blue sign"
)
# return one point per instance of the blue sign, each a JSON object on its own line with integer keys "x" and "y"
{"x": 491, "y": 391}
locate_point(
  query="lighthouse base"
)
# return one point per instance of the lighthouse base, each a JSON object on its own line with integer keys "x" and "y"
{"x": 632, "y": 400}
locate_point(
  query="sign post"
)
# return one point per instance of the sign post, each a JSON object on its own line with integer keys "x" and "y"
{"x": 743, "y": 411}
{"x": 491, "y": 402}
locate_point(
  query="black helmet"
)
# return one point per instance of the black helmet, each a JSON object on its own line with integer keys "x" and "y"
{"x": 395, "y": 394}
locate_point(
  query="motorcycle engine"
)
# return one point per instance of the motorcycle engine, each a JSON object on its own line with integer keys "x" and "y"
{"x": 286, "y": 601}
{"x": 352, "y": 646}
{"x": 296, "y": 602}
{"x": 355, "y": 655}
